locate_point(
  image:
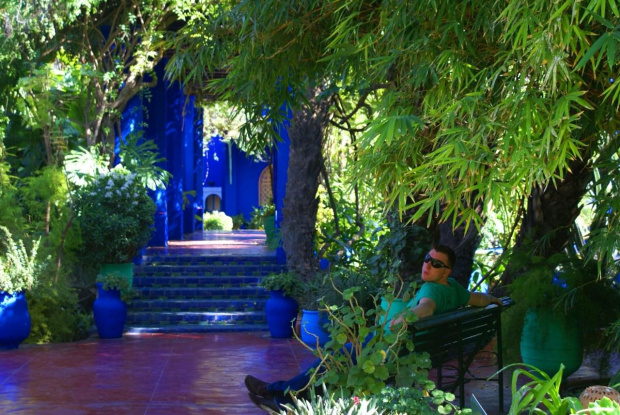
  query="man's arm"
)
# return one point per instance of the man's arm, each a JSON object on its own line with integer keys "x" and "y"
{"x": 483, "y": 300}
{"x": 425, "y": 308}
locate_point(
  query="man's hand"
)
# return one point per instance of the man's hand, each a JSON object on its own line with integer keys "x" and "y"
{"x": 483, "y": 300}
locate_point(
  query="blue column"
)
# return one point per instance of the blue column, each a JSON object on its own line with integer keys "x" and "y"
{"x": 155, "y": 118}
{"x": 188, "y": 164}
{"x": 280, "y": 177}
{"x": 199, "y": 174}
{"x": 175, "y": 101}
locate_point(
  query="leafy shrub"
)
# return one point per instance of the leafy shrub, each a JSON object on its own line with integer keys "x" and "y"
{"x": 390, "y": 401}
{"x": 55, "y": 313}
{"x": 375, "y": 356}
{"x": 19, "y": 268}
{"x": 288, "y": 282}
{"x": 216, "y": 221}
{"x": 541, "y": 394}
{"x": 117, "y": 282}
{"x": 239, "y": 221}
{"x": 116, "y": 216}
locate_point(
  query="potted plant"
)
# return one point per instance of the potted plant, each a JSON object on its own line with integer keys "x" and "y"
{"x": 281, "y": 307}
{"x": 325, "y": 291}
{"x": 110, "y": 306}
{"x": 268, "y": 216}
{"x": 115, "y": 216}
{"x": 562, "y": 307}
{"x": 18, "y": 272}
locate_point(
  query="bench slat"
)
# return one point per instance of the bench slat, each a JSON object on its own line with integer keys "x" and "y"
{"x": 460, "y": 334}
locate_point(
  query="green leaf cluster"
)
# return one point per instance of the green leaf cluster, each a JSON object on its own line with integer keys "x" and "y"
{"x": 542, "y": 394}
{"x": 19, "y": 266}
{"x": 117, "y": 282}
{"x": 115, "y": 216}
{"x": 288, "y": 282}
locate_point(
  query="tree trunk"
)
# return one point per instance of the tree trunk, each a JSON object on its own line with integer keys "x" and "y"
{"x": 464, "y": 245}
{"x": 547, "y": 225}
{"x": 300, "y": 201}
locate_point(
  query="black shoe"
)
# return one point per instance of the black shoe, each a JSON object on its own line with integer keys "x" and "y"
{"x": 256, "y": 386}
{"x": 268, "y": 404}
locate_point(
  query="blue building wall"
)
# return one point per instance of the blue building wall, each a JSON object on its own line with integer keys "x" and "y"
{"x": 214, "y": 162}
{"x": 175, "y": 125}
{"x": 241, "y": 183}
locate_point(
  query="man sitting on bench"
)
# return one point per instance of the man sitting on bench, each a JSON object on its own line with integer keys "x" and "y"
{"x": 439, "y": 294}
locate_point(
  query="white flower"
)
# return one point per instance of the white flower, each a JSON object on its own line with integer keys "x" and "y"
{"x": 108, "y": 194}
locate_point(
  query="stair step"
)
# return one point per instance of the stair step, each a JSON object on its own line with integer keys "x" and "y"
{"x": 158, "y": 318}
{"x": 207, "y": 260}
{"x": 189, "y": 293}
{"x": 195, "y": 328}
{"x": 217, "y": 305}
{"x": 194, "y": 281}
{"x": 202, "y": 270}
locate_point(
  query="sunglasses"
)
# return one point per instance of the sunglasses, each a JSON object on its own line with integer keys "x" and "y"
{"x": 435, "y": 263}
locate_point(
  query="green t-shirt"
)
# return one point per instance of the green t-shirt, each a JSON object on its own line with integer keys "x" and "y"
{"x": 446, "y": 297}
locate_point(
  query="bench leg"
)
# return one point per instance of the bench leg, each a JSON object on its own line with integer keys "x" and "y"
{"x": 461, "y": 371}
{"x": 500, "y": 364}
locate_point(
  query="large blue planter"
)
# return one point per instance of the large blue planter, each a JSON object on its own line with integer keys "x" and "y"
{"x": 312, "y": 328}
{"x": 281, "y": 313}
{"x": 549, "y": 339}
{"x": 14, "y": 320}
{"x": 110, "y": 313}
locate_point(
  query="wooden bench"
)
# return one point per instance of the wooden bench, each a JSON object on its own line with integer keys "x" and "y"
{"x": 460, "y": 335}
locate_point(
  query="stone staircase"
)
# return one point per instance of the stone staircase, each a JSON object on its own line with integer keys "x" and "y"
{"x": 195, "y": 294}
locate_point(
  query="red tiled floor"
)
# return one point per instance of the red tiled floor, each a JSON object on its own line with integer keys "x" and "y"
{"x": 158, "y": 374}
{"x": 146, "y": 374}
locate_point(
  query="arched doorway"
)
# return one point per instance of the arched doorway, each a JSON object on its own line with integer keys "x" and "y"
{"x": 265, "y": 186}
{"x": 213, "y": 203}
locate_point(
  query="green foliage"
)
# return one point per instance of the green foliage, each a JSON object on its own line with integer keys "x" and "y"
{"x": 390, "y": 401}
{"x": 55, "y": 313}
{"x": 612, "y": 336}
{"x": 117, "y": 282}
{"x": 256, "y": 219}
{"x": 373, "y": 359}
{"x": 212, "y": 221}
{"x": 83, "y": 163}
{"x": 141, "y": 157}
{"x": 333, "y": 403}
{"x": 239, "y": 221}
{"x": 541, "y": 394}
{"x": 115, "y": 215}
{"x": 614, "y": 382}
{"x": 411, "y": 401}
{"x": 259, "y": 213}
{"x": 375, "y": 356}
{"x": 288, "y": 282}
{"x": 565, "y": 283}
{"x": 19, "y": 269}
{"x": 344, "y": 237}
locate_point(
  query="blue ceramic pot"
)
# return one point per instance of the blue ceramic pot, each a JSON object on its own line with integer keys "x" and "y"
{"x": 281, "y": 313}
{"x": 312, "y": 328}
{"x": 14, "y": 320}
{"x": 110, "y": 313}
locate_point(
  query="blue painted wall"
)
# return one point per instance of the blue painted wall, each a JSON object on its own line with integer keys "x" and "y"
{"x": 240, "y": 193}
{"x": 175, "y": 125}
{"x": 215, "y": 162}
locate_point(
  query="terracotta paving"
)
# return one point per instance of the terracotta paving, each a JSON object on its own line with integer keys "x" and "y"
{"x": 170, "y": 374}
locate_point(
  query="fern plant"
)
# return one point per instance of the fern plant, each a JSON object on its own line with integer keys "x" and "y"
{"x": 18, "y": 268}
